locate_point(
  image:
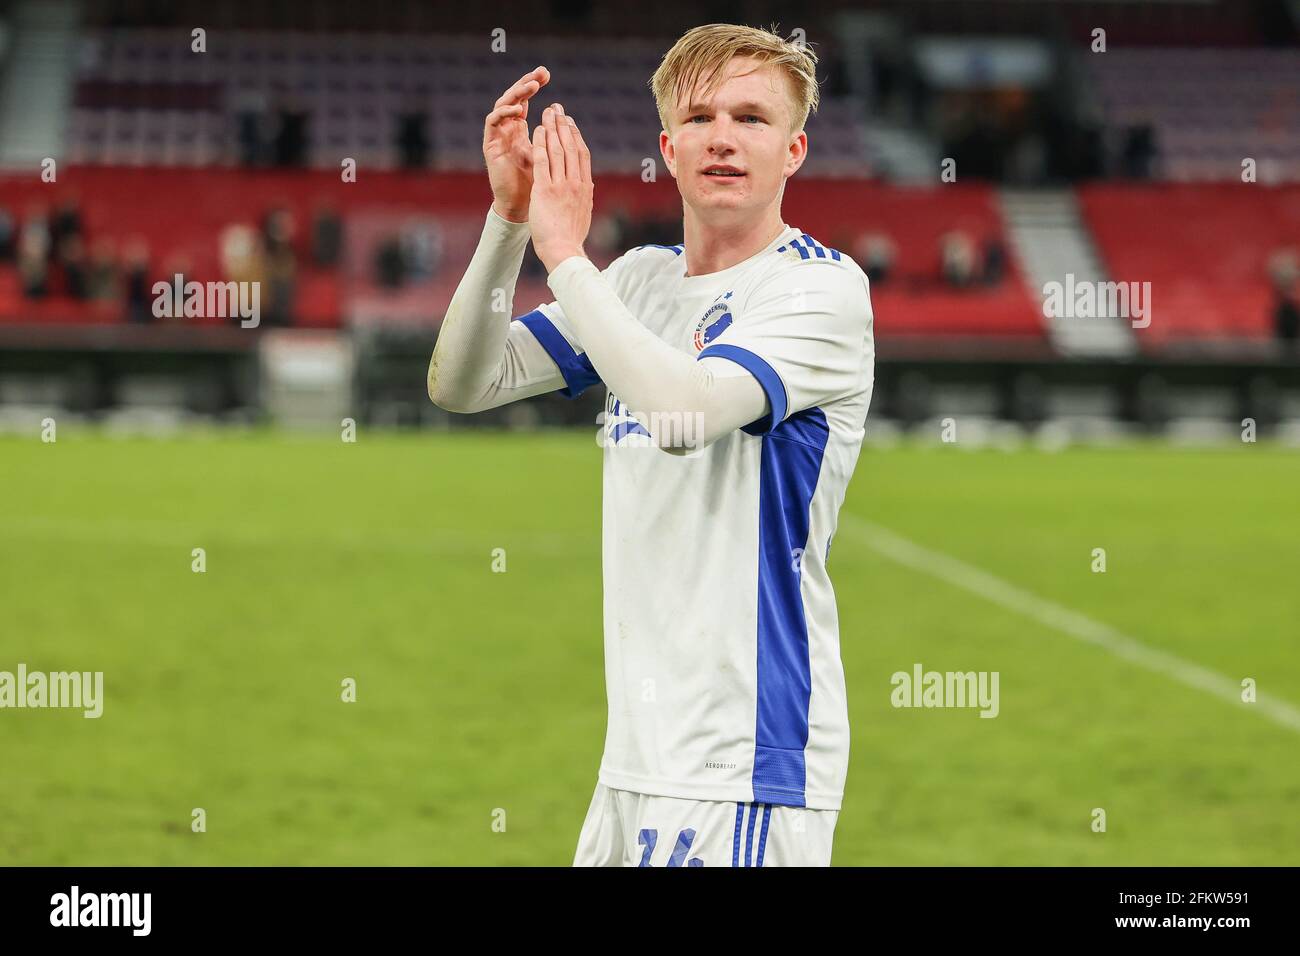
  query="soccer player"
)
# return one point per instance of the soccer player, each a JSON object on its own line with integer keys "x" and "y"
{"x": 738, "y": 369}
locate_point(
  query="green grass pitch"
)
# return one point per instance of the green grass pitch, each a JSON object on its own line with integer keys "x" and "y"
{"x": 480, "y": 691}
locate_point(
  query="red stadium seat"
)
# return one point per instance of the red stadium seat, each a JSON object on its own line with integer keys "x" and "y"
{"x": 1203, "y": 248}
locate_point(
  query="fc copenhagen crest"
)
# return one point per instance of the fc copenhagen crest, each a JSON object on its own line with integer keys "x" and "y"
{"x": 714, "y": 322}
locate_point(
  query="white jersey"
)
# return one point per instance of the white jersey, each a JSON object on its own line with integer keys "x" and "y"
{"x": 722, "y": 657}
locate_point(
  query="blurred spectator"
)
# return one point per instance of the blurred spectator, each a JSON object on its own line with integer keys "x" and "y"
{"x": 278, "y": 229}
{"x": 250, "y": 123}
{"x": 1283, "y": 271}
{"x": 958, "y": 258}
{"x": 8, "y": 231}
{"x": 995, "y": 260}
{"x": 390, "y": 267}
{"x": 290, "y": 137}
{"x": 76, "y": 276}
{"x": 604, "y": 235}
{"x": 975, "y": 143}
{"x": 101, "y": 275}
{"x": 138, "y": 288}
{"x": 876, "y": 253}
{"x": 837, "y": 73}
{"x": 241, "y": 254}
{"x": 34, "y": 253}
{"x": 1027, "y": 162}
{"x": 412, "y": 136}
{"x": 326, "y": 236}
{"x": 621, "y": 220}
{"x": 279, "y": 267}
{"x": 421, "y": 247}
{"x": 242, "y": 260}
{"x": 65, "y": 222}
{"x": 1137, "y": 158}
{"x": 888, "y": 63}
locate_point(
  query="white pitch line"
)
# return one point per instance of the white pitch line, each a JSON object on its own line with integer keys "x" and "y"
{"x": 1060, "y": 618}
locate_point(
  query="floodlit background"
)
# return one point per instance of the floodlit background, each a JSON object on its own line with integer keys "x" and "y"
{"x": 966, "y": 155}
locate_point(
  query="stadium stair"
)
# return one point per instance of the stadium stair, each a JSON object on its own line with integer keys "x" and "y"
{"x": 37, "y": 86}
{"x": 1051, "y": 240}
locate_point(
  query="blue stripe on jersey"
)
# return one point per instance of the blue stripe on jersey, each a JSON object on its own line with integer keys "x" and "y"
{"x": 791, "y": 464}
{"x": 749, "y": 835}
{"x": 677, "y": 250}
{"x": 821, "y": 250}
{"x": 815, "y": 246}
{"x": 735, "y": 840}
{"x": 812, "y": 244}
{"x": 762, "y": 837}
{"x": 578, "y": 372}
{"x": 767, "y": 378}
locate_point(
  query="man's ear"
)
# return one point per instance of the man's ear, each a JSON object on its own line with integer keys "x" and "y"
{"x": 798, "y": 152}
{"x": 668, "y": 152}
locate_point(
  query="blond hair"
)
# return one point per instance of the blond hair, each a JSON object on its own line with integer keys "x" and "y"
{"x": 707, "y": 50}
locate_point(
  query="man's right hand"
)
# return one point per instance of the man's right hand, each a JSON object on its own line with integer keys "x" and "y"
{"x": 508, "y": 149}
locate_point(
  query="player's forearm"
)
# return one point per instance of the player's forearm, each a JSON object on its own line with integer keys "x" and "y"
{"x": 471, "y": 342}
{"x": 646, "y": 373}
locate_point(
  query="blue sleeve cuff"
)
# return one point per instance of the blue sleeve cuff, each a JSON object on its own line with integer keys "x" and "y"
{"x": 767, "y": 378}
{"x": 578, "y": 372}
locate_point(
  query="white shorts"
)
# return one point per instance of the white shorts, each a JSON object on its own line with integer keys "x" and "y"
{"x": 637, "y": 829}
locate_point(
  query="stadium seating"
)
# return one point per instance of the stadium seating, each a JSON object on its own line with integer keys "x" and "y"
{"x": 1208, "y": 273}
{"x": 187, "y": 209}
{"x": 1209, "y": 108}
{"x": 143, "y": 98}
{"x": 1203, "y": 248}
{"x": 914, "y": 301}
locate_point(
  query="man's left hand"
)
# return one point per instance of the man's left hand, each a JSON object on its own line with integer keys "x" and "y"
{"x": 560, "y": 207}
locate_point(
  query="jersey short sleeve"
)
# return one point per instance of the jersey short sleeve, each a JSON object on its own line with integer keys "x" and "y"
{"x": 805, "y": 333}
{"x": 549, "y": 326}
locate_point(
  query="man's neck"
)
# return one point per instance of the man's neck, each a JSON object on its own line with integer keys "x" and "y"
{"x": 712, "y": 248}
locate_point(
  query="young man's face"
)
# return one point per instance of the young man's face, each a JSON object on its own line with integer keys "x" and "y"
{"x": 746, "y": 125}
